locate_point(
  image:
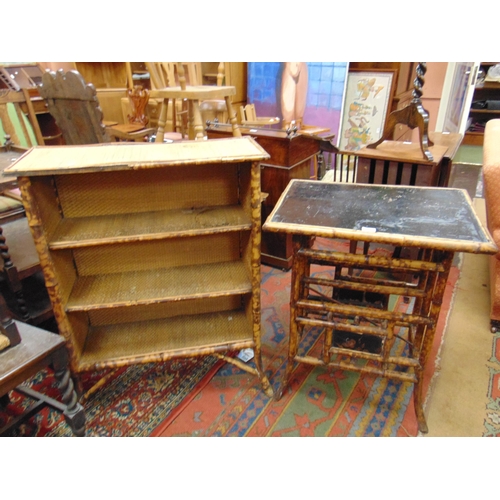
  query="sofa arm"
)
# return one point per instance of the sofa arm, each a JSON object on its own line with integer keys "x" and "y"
{"x": 491, "y": 174}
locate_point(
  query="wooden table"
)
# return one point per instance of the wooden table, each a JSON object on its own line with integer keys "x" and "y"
{"x": 193, "y": 94}
{"x": 423, "y": 227}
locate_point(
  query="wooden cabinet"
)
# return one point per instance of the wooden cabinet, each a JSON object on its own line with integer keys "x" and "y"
{"x": 291, "y": 157}
{"x": 149, "y": 252}
{"x": 484, "y": 107}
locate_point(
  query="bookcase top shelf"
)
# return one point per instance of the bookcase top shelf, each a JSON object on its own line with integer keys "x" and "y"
{"x": 53, "y": 160}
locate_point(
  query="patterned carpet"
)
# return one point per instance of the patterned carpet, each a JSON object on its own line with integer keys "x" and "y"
{"x": 204, "y": 397}
{"x": 492, "y": 420}
{"x": 318, "y": 402}
{"x": 132, "y": 403}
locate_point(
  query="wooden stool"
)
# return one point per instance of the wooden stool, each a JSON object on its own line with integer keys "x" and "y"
{"x": 193, "y": 94}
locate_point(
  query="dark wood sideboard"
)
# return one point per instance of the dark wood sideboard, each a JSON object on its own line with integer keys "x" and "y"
{"x": 291, "y": 158}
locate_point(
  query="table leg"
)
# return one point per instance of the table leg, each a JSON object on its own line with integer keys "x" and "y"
{"x": 300, "y": 268}
{"x": 436, "y": 300}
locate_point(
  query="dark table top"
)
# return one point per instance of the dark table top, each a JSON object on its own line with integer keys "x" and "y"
{"x": 440, "y": 218}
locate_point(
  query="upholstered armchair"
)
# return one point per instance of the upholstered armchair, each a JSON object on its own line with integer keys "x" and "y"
{"x": 491, "y": 172}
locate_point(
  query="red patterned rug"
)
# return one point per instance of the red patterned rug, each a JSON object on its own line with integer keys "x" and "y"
{"x": 134, "y": 401}
{"x": 492, "y": 419}
{"x": 318, "y": 402}
{"x": 205, "y": 397}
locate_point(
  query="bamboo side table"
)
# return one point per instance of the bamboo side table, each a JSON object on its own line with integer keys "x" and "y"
{"x": 425, "y": 225}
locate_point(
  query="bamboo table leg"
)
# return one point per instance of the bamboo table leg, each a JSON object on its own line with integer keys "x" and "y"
{"x": 436, "y": 288}
{"x": 300, "y": 269}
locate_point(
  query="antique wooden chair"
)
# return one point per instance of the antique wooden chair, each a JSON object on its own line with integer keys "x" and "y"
{"x": 21, "y": 279}
{"x": 162, "y": 75}
{"x": 75, "y": 107}
{"x": 21, "y": 130}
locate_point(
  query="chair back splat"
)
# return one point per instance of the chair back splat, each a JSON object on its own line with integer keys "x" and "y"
{"x": 75, "y": 107}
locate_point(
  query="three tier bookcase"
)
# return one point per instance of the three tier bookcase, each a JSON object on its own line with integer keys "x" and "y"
{"x": 149, "y": 251}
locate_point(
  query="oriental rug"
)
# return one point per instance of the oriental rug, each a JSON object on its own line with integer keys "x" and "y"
{"x": 206, "y": 397}
{"x": 133, "y": 402}
{"x": 318, "y": 402}
{"x": 492, "y": 418}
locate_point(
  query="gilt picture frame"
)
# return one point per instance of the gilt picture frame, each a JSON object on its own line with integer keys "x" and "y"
{"x": 368, "y": 98}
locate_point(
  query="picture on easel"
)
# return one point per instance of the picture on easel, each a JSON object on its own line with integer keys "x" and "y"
{"x": 367, "y": 99}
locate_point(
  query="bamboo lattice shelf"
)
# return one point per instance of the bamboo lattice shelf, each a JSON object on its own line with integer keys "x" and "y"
{"x": 149, "y": 251}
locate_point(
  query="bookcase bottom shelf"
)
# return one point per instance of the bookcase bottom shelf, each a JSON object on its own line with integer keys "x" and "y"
{"x": 116, "y": 345}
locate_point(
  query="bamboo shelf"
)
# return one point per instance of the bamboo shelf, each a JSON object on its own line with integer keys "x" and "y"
{"x": 149, "y": 251}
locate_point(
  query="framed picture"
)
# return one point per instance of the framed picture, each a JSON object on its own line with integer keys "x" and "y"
{"x": 368, "y": 97}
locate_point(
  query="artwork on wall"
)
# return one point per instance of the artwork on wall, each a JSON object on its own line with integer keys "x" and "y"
{"x": 309, "y": 93}
{"x": 367, "y": 99}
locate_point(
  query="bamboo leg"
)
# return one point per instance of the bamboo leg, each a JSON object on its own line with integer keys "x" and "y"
{"x": 299, "y": 270}
{"x": 428, "y": 339}
{"x": 327, "y": 342}
{"x": 256, "y": 236}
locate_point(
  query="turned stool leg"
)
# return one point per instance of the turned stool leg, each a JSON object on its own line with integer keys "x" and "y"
{"x": 232, "y": 117}
{"x": 162, "y": 119}
{"x": 199, "y": 133}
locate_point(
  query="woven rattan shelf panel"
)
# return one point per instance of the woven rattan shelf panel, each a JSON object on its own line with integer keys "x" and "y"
{"x": 83, "y": 231}
{"x": 149, "y": 251}
{"x": 167, "y": 338}
{"x": 142, "y": 287}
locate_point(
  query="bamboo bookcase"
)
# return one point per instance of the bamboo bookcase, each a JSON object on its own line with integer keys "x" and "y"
{"x": 149, "y": 251}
